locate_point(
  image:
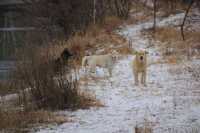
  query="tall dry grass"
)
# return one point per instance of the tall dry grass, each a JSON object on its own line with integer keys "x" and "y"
{"x": 41, "y": 90}
{"x": 13, "y": 121}
{"x": 5, "y": 88}
{"x": 173, "y": 48}
{"x": 40, "y": 87}
{"x": 47, "y": 88}
{"x": 97, "y": 39}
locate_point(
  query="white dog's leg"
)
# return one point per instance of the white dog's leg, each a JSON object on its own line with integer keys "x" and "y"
{"x": 88, "y": 69}
{"x": 143, "y": 78}
{"x": 110, "y": 67}
{"x": 136, "y": 78}
{"x": 110, "y": 72}
{"x": 93, "y": 68}
{"x": 104, "y": 71}
{"x": 84, "y": 69}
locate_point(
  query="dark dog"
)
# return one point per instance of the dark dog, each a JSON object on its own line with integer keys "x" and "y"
{"x": 63, "y": 60}
{"x": 65, "y": 55}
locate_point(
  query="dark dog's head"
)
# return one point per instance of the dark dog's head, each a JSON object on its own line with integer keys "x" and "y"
{"x": 65, "y": 55}
{"x": 61, "y": 61}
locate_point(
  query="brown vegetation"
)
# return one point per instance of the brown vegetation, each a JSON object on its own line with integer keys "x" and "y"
{"x": 47, "y": 88}
{"x": 39, "y": 87}
{"x": 20, "y": 121}
{"x": 69, "y": 17}
{"x": 173, "y": 47}
{"x": 5, "y": 88}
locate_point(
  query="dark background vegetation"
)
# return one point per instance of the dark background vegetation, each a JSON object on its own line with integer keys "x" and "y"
{"x": 71, "y": 16}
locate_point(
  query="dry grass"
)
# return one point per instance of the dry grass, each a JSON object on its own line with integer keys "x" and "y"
{"x": 167, "y": 34}
{"x": 167, "y": 8}
{"x": 111, "y": 23}
{"x": 173, "y": 35}
{"x": 172, "y": 59}
{"x": 184, "y": 130}
{"x": 143, "y": 130}
{"x": 50, "y": 89}
{"x": 193, "y": 39}
{"x": 138, "y": 6}
{"x": 146, "y": 127}
{"x": 172, "y": 46}
{"x": 20, "y": 121}
{"x": 89, "y": 102}
{"x": 47, "y": 91}
{"x": 139, "y": 13}
{"x": 5, "y": 88}
{"x": 97, "y": 39}
{"x": 104, "y": 42}
{"x": 125, "y": 50}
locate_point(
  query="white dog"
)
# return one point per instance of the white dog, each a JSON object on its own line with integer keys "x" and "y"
{"x": 140, "y": 66}
{"x": 105, "y": 61}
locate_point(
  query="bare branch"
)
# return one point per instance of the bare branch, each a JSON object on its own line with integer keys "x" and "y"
{"x": 154, "y": 15}
{"x": 186, "y": 14}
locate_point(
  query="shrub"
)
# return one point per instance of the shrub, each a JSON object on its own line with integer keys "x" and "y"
{"x": 5, "y": 88}
{"x": 40, "y": 87}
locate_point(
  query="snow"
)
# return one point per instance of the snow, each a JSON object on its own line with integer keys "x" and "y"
{"x": 169, "y": 103}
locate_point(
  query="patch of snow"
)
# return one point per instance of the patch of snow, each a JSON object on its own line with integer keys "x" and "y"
{"x": 8, "y": 97}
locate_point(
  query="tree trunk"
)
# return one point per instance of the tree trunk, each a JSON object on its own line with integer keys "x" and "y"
{"x": 183, "y": 23}
{"x": 154, "y": 15}
{"x": 94, "y": 12}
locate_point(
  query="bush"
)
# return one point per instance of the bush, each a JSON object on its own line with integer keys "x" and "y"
{"x": 41, "y": 87}
{"x": 5, "y": 88}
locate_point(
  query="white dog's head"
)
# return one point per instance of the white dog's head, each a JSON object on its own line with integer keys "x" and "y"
{"x": 114, "y": 55}
{"x": 141, "y": 56}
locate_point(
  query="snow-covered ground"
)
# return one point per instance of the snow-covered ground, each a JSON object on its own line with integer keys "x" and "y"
{"x": 169, "y": 103}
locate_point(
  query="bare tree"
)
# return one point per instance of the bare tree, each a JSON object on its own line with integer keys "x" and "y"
{"x": 119, "y": 8}
{"x": 94, "y": 12}
{"x": 70, "y": 16}
{"x": 122, "y": 7}
{"x": 154, "y": 14}
{"x": 185, "y": 17}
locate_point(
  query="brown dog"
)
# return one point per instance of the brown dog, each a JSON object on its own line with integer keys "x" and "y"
{"x": 140, "y": 66}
